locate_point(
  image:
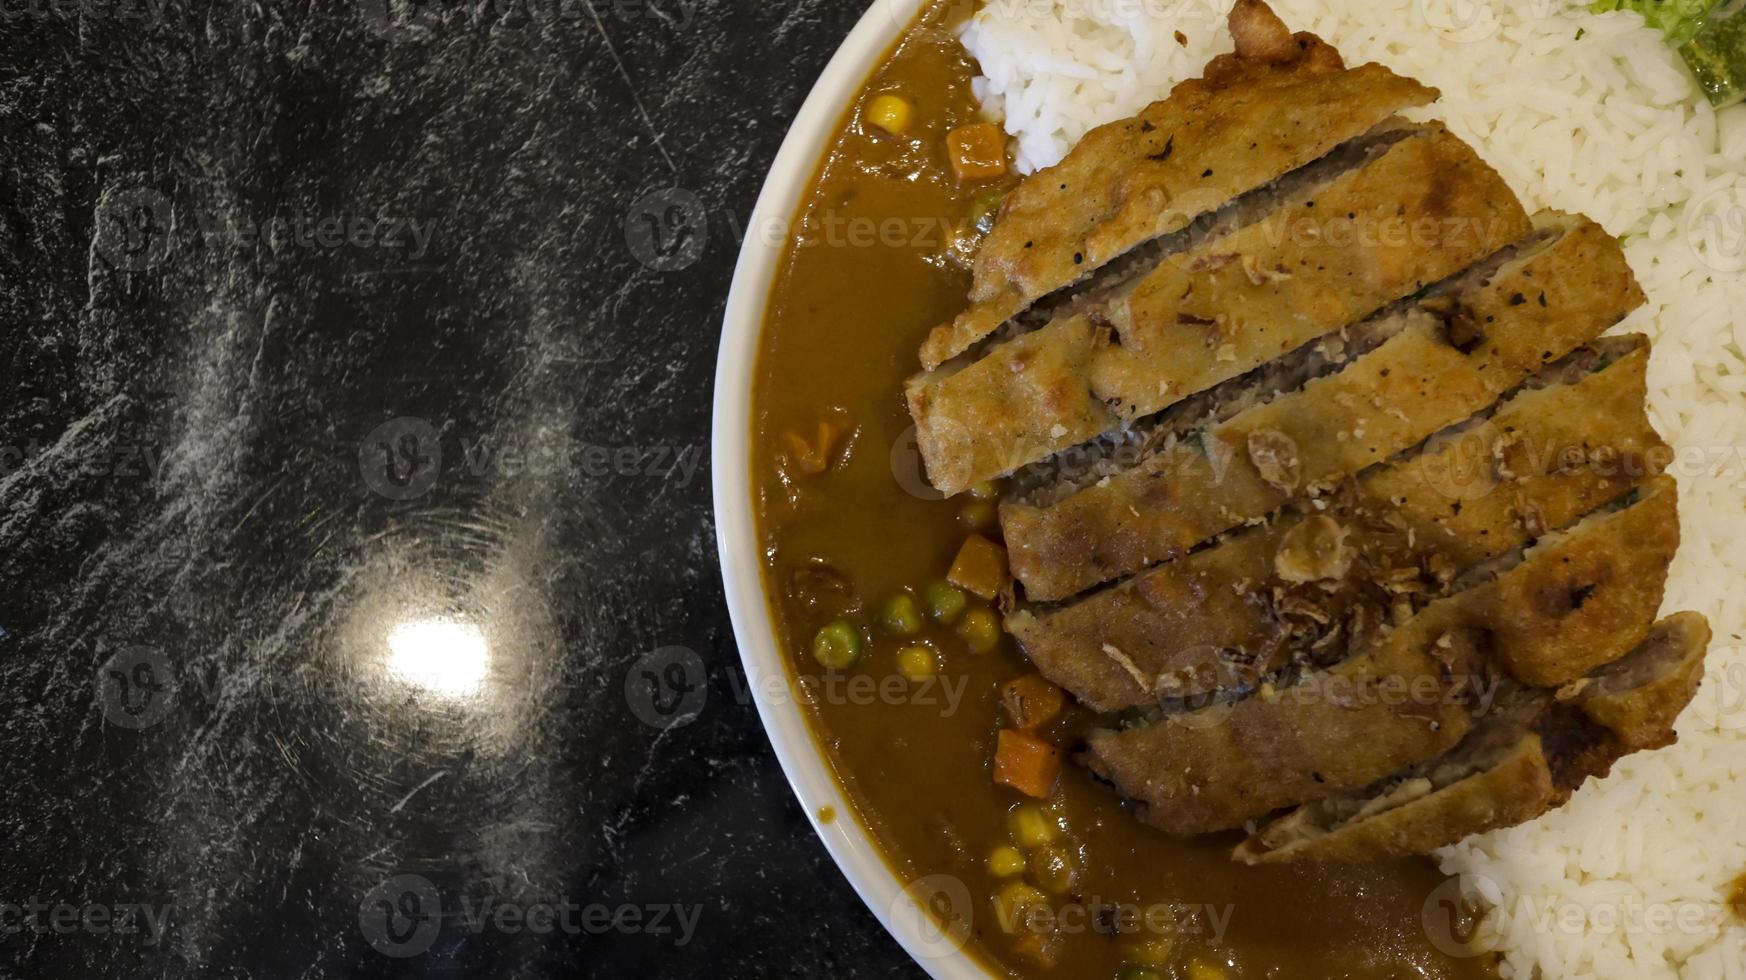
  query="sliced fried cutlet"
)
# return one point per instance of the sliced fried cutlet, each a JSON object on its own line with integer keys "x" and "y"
{"x": 1447, "y": 357}
{"x": 1276, "y": 104}
{"x": 1222, "y": 308}
{"x": 1309, "y": 582}
{"x": 1025, "y": 399}
{"x": 1581, "y": 598}
{"x": 1216, "y": 767}
{"x": 1576, "y": 600}
{"x": 1428, "y": 208}
{"x": 1522, "y": 760}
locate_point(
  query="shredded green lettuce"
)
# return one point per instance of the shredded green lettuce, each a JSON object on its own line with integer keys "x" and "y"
{"x": 1717, "y": 56}
{"x": 1680, "y": 20}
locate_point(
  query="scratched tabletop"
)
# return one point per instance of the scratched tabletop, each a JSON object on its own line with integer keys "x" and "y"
{"x": 357, "y": 543}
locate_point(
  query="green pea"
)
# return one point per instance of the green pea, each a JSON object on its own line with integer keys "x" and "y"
{"x": 837, "y": 645}
{"x": 945, "y": 601}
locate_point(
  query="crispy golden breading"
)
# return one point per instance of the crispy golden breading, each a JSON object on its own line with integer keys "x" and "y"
{"x": 1581, "y": 599}
{"x": 1532, "y": 312}
{"x": 1332, "y": 255}
{"x": 1340, "y": 729}
{"x": 1516, "y": 789}
{"x": 1228, "y": 614}
{"x": 1023, "y": 401}
{"x": 1577, "y": 600}
{"x": 1628, "y": 706}
{"x": 1276, "y": 104}
{"x": 1422, "y": 211}
{"x": 1324, "y": 476}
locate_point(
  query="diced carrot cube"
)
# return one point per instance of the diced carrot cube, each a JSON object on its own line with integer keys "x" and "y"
{"x": 980, "y": 567}
{"x": 1026, "y": 763}
{"x": 1032, "y": 702}
{"x": 977, "y": 151}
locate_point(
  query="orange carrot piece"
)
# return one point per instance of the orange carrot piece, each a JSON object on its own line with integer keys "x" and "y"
{"x": 1032, "y": 702}
{"x": 1026, "y": 763}
{"x": 980, "y": 568}
{"x": 978, "y": 152}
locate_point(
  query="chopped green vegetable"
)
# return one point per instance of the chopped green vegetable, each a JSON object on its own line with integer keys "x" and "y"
{"x": 986, "y": 208}
{"x": 837, "y": 646}
{"x": 945, "y": 602}
{"x": 900, "y": 617}
{"x": 1680, "y": 20}
{"x": 1717, "y": 56}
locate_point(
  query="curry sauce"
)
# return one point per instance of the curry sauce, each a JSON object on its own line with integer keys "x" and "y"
{"x": 911, "y": 718}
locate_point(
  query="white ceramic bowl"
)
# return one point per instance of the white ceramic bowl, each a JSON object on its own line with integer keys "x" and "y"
{"x": 765, "y": 661}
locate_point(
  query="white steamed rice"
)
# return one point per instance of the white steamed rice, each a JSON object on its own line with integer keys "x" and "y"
{"x": 1590, "y": 113}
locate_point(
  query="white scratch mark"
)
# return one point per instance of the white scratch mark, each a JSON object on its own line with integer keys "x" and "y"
{"x": 415, "y": 791}
{"x": 635, "y": 97}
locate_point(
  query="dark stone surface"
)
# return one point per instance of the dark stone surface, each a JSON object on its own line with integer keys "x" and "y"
{"x": 324, "y": 344}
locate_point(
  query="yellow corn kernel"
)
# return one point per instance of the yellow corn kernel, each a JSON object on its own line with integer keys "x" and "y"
{"x": 980, "y": 630}
{"x": 1029, "y": 826}
{"x": 1005, "y": 861}
{"x": 986, "y": 490}
{"x": 1012, "y": 905}
{"x": 917, "y": 662}
{"x": 890, "y": 113}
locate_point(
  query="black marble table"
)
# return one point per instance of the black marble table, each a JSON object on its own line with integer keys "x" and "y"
{"x": 354, "y": 463}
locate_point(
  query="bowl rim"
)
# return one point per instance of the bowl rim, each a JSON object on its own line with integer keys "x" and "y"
{"x": 848, "y": 840}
